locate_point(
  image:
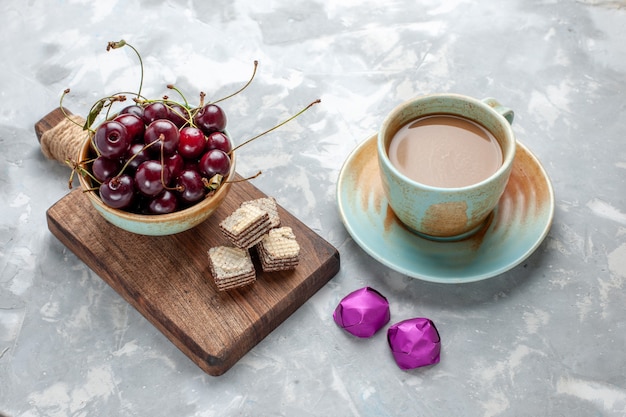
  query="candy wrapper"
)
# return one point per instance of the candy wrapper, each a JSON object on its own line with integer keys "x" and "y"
{"x": 362, "y": 312}
{"x": 414, "y": 343}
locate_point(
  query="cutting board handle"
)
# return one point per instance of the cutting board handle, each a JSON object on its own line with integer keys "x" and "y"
{"x": 61, "y": 135}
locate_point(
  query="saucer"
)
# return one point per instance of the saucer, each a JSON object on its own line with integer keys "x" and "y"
{"x": 515, "y": 229}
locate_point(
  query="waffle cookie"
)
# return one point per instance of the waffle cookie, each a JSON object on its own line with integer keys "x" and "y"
{"x": 231, "y": 267}
{"x": 268, "y": 204}
{"x": 246, "y": 226}
{"x": 279, "y": 250}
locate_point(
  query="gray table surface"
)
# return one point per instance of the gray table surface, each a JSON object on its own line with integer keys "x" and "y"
{"x": 546, "y": 338}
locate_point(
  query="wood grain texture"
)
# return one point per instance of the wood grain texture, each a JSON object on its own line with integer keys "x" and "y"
{"x": 49, "y": 121}
{"x": 167, "y": 278}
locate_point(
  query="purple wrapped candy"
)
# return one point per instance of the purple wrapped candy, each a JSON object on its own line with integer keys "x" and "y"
{"x": 362, "y": 312}
{"x": 414, "y": 343}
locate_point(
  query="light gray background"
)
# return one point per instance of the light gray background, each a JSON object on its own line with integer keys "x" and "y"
{"x": 545, "y": 339}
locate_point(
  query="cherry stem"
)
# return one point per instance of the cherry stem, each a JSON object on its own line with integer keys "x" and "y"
{"x": 188, "y": 116}
{"x": 173, "y": 87}
{"x": 121, "y": 43}
{"x": 78, "y": 167}
{"x": 217, "y": 180}
{"x": 277, "y": 126}
{"x": 244, "y": 179}
{"x": 97, "y": 107}
{"x": 256, "y": 64}
{"x": 132, "y": 158}
{"x": 163, "y": 167}
{"x": 67, "y": 116}
{"x": 200, "y": 105}
{"x": 71, "y": 179}
{"x": 110, "y": 101}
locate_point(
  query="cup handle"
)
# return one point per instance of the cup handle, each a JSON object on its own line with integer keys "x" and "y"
{"x": 504, "y": 111}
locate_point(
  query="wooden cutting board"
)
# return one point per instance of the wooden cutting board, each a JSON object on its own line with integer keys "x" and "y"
{"x": 167, "y": 278}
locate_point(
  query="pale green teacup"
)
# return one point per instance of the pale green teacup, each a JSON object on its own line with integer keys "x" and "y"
{"x": 446, "y": 212}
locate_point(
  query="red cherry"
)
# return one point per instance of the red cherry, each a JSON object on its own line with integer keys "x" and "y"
{"x": 178, "y": 115}
{"x": 192, "y": 142}
{"x": 133, "y": 109}
{"x": 134, "y": 125}
{"x": 139, "y": 153}
{"x": 105, "y": 168}
{"x": 164, "y": 203}
{"x": 190, "y": 186}
{"x": 155, "y": 111}
{"x": 214, "y": 162}
{"x": 219, "y": 140}
{"x": 112, "y": 139}
{"x": 167, "y": 135}
{"x": 151, "y": 177}
{"x": 175, "y": 164}
{"x": 118, "y": 192}
{"x": 210, "y": 118}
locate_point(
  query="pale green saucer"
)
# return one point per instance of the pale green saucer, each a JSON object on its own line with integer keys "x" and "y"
{"x": 516, "y": 228}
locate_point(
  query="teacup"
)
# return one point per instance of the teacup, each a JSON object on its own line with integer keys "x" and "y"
{"x": 432, "y": 207}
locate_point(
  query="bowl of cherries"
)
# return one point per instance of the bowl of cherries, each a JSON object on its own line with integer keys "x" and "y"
{"x": 158, "y": 167}
{"x": 155, "y": 169}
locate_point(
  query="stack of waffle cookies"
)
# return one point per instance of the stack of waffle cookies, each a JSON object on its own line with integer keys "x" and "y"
{"x": 254, "y": 225}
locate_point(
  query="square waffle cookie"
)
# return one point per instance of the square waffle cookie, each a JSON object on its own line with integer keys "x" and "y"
{"x": 269, "y": 205}
{"x": 279, "y": 250}
{"x": 246, "y": 226}
{"x": 231, "y": 267}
